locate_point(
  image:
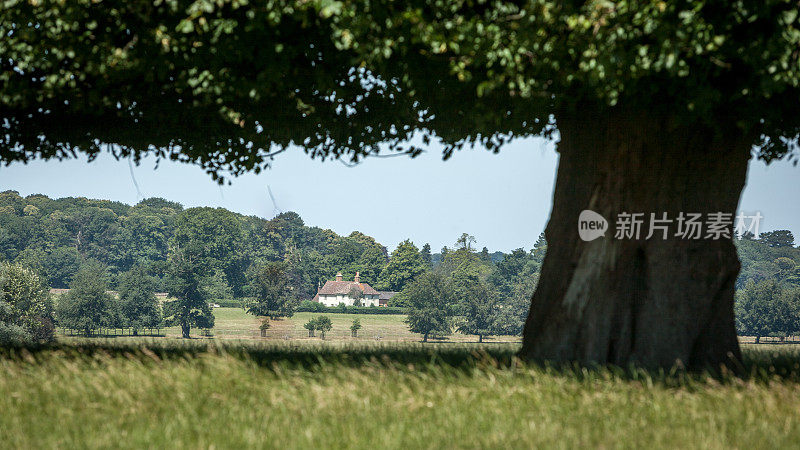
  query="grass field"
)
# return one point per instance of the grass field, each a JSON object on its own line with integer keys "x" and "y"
{"x": 202, "y": 394}
{"x": 234, "y": 323}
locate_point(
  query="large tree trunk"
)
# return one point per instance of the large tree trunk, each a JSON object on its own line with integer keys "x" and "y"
{"x": 652, "y": 302}
{"x": 185, "y": 330}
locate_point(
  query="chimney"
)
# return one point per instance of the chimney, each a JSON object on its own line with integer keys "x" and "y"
{"x": 357, "y": 279}
{"x": 339, "y": 276}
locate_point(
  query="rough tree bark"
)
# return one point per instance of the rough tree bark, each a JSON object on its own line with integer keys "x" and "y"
{"x": 185, "y": 330}
{"x": 652, "y": 302}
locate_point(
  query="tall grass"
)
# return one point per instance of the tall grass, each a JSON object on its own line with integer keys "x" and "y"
{"x": 317, "y": 395}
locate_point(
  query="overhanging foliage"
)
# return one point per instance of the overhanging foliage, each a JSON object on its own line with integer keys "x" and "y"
{"x": 228, "y": 84}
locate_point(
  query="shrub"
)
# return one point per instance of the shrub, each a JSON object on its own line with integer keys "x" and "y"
{"x": 13, "y": 335}
{"x": 26, "y": 311}
{"x": 309, "y": 306}
{"x": 232, "y": 303}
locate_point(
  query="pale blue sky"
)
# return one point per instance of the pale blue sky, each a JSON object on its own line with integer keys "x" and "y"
{"x": 503, "y": 200}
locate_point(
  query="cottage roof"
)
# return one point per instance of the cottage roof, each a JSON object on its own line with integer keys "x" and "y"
{"x": 344, "y": 287}
{"x": 387, "y": 295}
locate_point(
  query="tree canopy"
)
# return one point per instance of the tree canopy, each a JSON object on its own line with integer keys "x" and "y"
{"x": 87, "y": 306}
{"x": 430, "y": 297}
{"x": 269, "y": 286}
{"x": 767, "y": 308}
{"x": 405, "y": 264}
{"x": 26, "y": 311}
{"x": 66, "y": 233}
{"x": 138, "y": 305}
{"x": 184, "y": 283}
{"x": 227, "y": 84}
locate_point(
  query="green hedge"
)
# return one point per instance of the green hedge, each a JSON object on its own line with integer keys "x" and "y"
{"x": 309, "y": 306}
{"x": 235, "y": 303}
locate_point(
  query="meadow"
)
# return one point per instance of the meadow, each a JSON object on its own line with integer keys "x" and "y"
{"x": 235, "y": 323}
{"x": 277, "y": 394}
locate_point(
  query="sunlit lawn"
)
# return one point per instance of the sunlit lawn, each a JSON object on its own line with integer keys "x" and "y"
{"x": 373, "y": 327}
{"x": 235, "y": 323}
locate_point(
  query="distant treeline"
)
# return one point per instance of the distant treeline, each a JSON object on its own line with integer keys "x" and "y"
{"x": 56, "y": 237}
{"x": 773, "y": 256}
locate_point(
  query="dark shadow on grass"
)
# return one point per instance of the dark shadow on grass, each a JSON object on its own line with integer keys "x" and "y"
{"x": 760, "y": 364}
{"x": 305, "y": 355}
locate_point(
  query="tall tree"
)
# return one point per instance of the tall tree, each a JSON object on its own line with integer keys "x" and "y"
{"x": 539, "y": 249}
{"x": 370, "y": 264}
{"x": 87, "y": 306}
{"x": 138, "y": 304}
{"x": 216, "y": 234}
{"x": 477, "y": 302}
{"x": 466, "y": 242}
{"x": 185, "y": 284}
{"x": 778, "y": 238}
{"x": 430, "y": 300}
{"x": 478, "y": 308}
{"x": 405, "y": 264}
{"x": 657, "y": 106}
{"x": 766, "y": 308}
{"x": 514, "y": 307}
{"x": 269, "y": 287}
{"x": 425, "y": 254}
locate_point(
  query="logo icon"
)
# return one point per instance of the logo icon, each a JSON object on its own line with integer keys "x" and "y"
{"x": 591, "y": 225}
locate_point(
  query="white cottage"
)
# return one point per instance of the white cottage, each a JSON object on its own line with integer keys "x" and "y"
{"x": 335, "y": 292}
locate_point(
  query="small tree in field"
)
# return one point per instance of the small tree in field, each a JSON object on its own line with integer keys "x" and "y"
{"x": 311, "y": 326}
{"x": 137, "y": 301}
{"x": 87, "y": 306}
{"x": 355, "y": 327}
{"x": 323, "y": 324}
{"x": 430, "y": 299}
